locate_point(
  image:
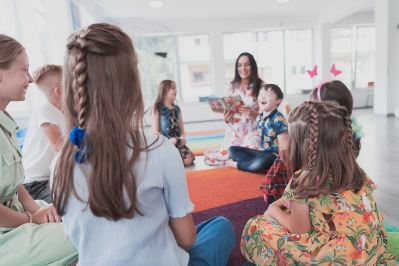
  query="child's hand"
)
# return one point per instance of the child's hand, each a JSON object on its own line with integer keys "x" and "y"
{"x": 46, "y": 215}
{"x": 228, "y": 116}
{"x": 173, "y": 140}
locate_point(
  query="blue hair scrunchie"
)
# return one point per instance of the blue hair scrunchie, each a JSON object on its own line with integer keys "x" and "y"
{"x": 76, "y": 137}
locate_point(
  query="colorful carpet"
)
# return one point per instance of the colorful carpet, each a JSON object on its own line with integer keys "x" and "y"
{"x": 200, "y": 141}
{"x": 235, "y": 195}
{"x": 217, "y": 187}
{"x": 228, "y": 192}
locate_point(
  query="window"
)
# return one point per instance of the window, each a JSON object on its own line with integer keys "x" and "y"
{"x": 282, "y": 56}
{"x": 341, "y": 53}
{"x": 157, "y": 61}
{"x": 298, "y": 51}
{"x": 189, "y": 67}
{"x": 235, "y": 44}
{"x": 365, "y": 57}
{"x": 194, "y": 67}
{"x": 270, "y": 57}
{"x": 353, "y": 52}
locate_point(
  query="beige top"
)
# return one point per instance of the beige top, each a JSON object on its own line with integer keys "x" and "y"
{"x": 11, "y": 169}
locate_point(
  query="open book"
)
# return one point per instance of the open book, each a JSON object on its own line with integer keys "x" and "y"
{"x": 222, "y": 104}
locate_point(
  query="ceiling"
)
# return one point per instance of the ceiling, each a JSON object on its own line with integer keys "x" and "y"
{"x": 224, "y": 9}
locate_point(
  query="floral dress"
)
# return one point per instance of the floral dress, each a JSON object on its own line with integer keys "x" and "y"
{"x": 242, "y": 132}
{"x": 347, "y": 229}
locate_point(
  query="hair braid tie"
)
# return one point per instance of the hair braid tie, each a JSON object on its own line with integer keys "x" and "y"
{"x": 349, "y": 132}
{"x": 313, "y": 136}
{"x": 77, "y": 134}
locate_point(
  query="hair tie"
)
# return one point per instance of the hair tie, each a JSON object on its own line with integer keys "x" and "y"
{"x": 76, "y": 137}
{"x": 80, "y": 155}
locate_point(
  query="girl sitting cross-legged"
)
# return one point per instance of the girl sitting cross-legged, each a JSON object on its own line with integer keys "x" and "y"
{"x": 167, "y": 120}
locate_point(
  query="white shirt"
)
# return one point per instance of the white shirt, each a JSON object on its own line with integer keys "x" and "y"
{"x": 143, "y": 240}
{"x": 37, "y": 150}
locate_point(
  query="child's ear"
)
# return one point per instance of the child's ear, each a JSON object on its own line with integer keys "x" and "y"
{"x": 57, "y": 90}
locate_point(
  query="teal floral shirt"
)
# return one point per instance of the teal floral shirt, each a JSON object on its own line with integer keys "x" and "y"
{"x": 270, "y": 127}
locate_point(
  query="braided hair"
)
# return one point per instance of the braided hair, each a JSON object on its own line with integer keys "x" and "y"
{"x": 320, "y": 148}
{"x": 102, "y": 95}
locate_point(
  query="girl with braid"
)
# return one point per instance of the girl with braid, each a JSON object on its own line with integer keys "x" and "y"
{"x": 278, "y": 175}
{"x": 327, "y": 214}
{"x": 167, "y": 120}
{"x": 123, "y": 195}
{"x": 31, "y": 232}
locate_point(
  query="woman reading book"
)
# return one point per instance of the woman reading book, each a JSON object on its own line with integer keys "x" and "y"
{"x": 241, "y": 128}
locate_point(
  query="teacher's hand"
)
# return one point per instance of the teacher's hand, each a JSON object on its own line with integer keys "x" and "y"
{"x": 249, "y": 112}
{"x": 228, "y": 116}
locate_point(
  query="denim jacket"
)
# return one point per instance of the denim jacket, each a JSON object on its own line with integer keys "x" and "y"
{"x": 164, "y": 120}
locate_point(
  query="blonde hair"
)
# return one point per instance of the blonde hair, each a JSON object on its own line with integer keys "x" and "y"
{"x": 102, "y": 94}
{"x": 9, "y": 50}
{"x": 51, "y": 74}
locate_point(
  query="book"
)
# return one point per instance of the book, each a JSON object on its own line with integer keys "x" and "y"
{"x": 222, "y": 104}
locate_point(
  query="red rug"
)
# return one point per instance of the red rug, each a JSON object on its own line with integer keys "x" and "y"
{"x": 230, "y": 193}
{"x": 216, "y": 187}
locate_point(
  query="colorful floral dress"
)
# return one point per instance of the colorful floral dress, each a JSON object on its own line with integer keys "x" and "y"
{"x": 242, "y": 132}
{"x": 347, "y": 229}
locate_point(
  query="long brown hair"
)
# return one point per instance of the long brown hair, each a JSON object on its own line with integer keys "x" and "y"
{"x": 163, "y": 89}
{"x": 337, "y": 91}
{"x": 254, "y": 78}
{"x": 9, "y": 50}
{"x": 320, "y": 143}
{"x": 102, "y": 94}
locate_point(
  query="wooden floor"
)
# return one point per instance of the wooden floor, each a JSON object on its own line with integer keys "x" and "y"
{"x": 379, "y": 157}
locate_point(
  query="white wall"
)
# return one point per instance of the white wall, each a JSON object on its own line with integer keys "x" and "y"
{"x": 386, "y": 97}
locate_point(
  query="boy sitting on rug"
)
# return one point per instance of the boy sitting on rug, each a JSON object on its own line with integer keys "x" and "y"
{"x": 44, "y": 136}
{"x": 273, "y": 129}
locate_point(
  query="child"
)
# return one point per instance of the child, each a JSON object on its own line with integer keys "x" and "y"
{"x": 278, "y": 175}
{"x": 123, "y": 195}
{"x": 44, "y": 136}
{"x": 30, "y": 234}
{"x": 167, "y": 120}
{"x": 337, "y": 91}
{"x": 327, "y": 214}
{"x": 273, "y": 129}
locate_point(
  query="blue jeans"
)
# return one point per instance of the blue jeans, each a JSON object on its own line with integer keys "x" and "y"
{"x": 251, "y": 160}
{"x": 214, "y": 243}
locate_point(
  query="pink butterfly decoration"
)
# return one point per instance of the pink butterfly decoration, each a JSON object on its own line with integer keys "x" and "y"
{"x": 312, "y": 72}
{"x": 335, "y": 71}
